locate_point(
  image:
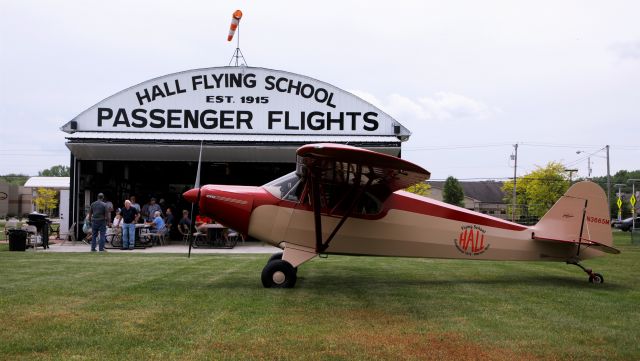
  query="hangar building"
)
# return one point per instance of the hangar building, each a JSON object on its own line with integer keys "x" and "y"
{"x": 145, "y": 140}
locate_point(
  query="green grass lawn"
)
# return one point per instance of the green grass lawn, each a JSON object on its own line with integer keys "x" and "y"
{"x": 128, "y": 306}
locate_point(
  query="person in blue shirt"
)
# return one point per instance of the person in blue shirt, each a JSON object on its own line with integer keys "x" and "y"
{"x": 157, "y": 224}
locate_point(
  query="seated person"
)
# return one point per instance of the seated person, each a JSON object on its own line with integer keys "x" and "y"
{"x": 117, "y": 222}
{"x": 184, "y": 225}
{"x": 201, "y": 222}
{"x": 157, "y": 224}
{"x": 201, "y": 227}
{"x": 86, "y": 228}
{"x": 169, "y": 222}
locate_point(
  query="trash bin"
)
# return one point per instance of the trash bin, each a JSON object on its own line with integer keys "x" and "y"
{"x": 17, "y": 240}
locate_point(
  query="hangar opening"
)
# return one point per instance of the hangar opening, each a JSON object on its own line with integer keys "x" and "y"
{"x": 145, "y": 140}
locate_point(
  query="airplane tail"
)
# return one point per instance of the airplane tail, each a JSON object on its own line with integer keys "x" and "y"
{"x": 581, "y": 215}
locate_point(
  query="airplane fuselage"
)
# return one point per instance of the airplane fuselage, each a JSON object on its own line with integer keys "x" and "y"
{"x": 408, "y": 225}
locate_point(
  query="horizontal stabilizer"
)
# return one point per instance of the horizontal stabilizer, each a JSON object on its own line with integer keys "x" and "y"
{"x": 584, "y": 242}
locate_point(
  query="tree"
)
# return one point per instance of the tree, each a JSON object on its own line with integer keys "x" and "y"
{"x": 452, "y": 192}
{"x": 46, "y": 200}
{"x": 421, "y": 189}
{"x": 538, "y": 190}
{"x": 16, "y": 179}
{"x": 55, "y": 171}
{"x": 621, "y": 177}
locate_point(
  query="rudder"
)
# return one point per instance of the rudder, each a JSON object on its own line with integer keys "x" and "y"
{"x": 564, "y": 221}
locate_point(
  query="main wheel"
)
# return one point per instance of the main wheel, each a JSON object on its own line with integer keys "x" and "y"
{"x": 275, "y": 256}
{"x": 279, "y": 274}
{"x": 278, "y": 255}
{"x": 596, "y": 278}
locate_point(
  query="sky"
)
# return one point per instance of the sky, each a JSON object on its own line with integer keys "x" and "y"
{"x": 469, "y": 78}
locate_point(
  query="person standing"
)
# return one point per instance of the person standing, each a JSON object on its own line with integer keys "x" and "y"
{"x": 169, "y": 222}
{"x": 99, "y": 219}
{"x": 110, "y": 208}
{"x": 129, "y": 219}
{"x": 134, "y": 204}
{"x": 152, "y": 209}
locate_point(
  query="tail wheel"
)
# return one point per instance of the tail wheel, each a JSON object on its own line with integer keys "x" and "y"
{"x": 596, "y": 278}
{"x": 279, "y": 274}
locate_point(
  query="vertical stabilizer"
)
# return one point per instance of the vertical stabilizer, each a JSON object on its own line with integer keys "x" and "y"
{"x": 568, "y": 217}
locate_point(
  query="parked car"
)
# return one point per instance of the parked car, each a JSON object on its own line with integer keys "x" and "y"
{"x": 626, "y": 224}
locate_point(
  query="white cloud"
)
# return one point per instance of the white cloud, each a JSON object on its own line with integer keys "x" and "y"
{"x": 441, "y": 107}
{"x": 627, "y": 50}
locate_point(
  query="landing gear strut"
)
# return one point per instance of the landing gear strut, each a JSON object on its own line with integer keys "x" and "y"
{"x": 593, "y": 277}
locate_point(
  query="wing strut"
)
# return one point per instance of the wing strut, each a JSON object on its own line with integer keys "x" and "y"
{"x": 315, "y": 197}
{"x": 584, "y": 214}
{"x": 315, "y": 189}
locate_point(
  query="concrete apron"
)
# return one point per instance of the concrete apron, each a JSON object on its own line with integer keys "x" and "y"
{"x": 249, "y": 247}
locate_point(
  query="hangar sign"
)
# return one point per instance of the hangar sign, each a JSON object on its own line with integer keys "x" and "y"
{"x": 236, "y": 100}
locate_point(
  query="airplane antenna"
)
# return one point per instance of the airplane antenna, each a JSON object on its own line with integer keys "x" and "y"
{"x": 235, "y": 26}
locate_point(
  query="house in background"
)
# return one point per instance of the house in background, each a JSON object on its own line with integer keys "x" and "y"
{"x": 15, "y": 200}
{"x": 482, "y": 196}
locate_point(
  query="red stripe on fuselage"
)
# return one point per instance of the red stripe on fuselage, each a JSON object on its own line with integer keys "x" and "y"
{"x": 409, "y": 202}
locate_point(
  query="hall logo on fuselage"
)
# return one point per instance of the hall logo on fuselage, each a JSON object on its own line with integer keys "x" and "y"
{"x": 471, "y": 240}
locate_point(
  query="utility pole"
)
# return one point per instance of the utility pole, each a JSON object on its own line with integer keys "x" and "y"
{"x": 515, "y": 170}
{"x": 571, "y": 171}
{"x": 608, "y": 177}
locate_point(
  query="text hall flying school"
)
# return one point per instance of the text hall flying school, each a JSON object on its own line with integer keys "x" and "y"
{"x": 239, "y": 80}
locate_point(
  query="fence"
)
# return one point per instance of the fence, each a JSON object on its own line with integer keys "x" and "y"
{"x": 523, "y": 212}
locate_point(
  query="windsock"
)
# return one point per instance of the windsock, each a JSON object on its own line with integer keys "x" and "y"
{"x": 235, "y": 21}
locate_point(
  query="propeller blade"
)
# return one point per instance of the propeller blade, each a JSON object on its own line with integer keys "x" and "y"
{"x": 199, "y": 163}
{"x": 194, "y": 197}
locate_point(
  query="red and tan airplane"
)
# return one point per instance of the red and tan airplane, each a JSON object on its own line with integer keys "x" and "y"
{"x": 350, "y": 201}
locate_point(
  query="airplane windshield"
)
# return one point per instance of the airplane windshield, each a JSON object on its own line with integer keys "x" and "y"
{"x": 284, "y": 187}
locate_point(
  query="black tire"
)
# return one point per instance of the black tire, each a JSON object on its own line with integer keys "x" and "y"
{"x": 275, "y": 256}
{"x": 596, "y": 278}
{"x": 279, "y": 274}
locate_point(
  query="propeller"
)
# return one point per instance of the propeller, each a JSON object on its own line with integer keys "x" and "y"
{"x": 196, "y": 201}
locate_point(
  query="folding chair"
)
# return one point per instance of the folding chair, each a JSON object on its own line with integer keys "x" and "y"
{"x": 160, "y": 237}
{"x": 184, "y": 231}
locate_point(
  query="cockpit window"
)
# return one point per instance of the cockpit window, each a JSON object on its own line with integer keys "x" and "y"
{"x": 285, "y": 187}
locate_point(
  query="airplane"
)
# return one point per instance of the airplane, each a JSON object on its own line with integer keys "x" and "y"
{"x": 351, "y": 201}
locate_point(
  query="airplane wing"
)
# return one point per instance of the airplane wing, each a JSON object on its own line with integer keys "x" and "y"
{"x": 339, "y": 163}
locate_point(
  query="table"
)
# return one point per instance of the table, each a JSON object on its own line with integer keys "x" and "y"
{"x": 142, "y": 241}
{"x": 216, "y": 236}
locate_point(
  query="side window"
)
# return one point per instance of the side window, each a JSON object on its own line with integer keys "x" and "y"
{"x": 339, "y": 198}
{"x": 369, "y": 204}
{"x": 285, "y": 187}
{"x": 292, "y": 192}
